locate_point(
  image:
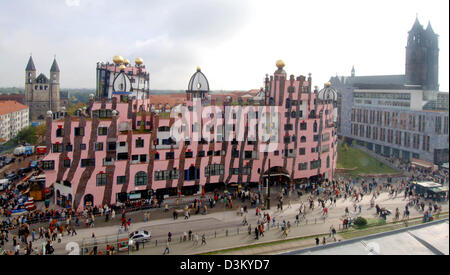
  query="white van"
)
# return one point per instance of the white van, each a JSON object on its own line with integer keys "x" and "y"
{"x": 19, "y": 151}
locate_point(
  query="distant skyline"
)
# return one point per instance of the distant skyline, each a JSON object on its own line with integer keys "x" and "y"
{"x": 235, "y": 42}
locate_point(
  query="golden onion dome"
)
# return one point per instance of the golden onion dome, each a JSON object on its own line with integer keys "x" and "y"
{"x": 280, "y": 64}
{"x": 139, "y": 61}
{"x": 198, "y": 69}
{"x": 122, "y": 67}
{"x": 262, "y": 88}
{"x": 118, "y": 59}
{"x": 126, "y": 62}
{"x": 328, "y": 84}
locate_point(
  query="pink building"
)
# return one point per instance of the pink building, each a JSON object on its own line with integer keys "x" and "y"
{"x": 118, "y": 150}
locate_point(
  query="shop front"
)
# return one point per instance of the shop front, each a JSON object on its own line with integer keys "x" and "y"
{"x": 134, "y": 196}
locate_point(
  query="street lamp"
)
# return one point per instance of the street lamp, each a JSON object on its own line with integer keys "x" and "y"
{"x": 268, "y": 190}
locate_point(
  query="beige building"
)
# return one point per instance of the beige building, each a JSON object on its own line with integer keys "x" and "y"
{"x": 41, "y": 93}
{"x": 14, "y": 116}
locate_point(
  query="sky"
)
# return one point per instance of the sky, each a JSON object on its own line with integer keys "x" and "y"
{"x": 235, "y": 42}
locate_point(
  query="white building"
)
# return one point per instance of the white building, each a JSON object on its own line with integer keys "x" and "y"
{"x": 13, "y": 118}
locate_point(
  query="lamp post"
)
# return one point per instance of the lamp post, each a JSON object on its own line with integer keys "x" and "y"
{"x": 268, "y": 190}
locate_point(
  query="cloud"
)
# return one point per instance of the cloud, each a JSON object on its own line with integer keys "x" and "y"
{"x": 73, "y": 3}
{"x": 235, "y": 42}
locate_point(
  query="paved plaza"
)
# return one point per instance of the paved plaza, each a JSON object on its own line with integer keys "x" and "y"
{"x": 216, "y": 225}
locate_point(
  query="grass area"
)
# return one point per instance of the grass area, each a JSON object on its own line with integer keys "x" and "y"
{"x": 261, "y": 245}
{"x": 374, "y": 226}
{"x": 365, "y": 164}
{"x": 371, "y": 222}
{"x": 370, "y": 230}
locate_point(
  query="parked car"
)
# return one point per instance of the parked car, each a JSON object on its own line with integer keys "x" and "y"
{"x": 9, "y": 160}
{"x": 29, "y": 150}
{"x": 34, "y": 164}
{"x": 23, "y": 171}
{"x": 41, "y": 150}
{"x": 140, "y": 236}
{"x": 12, "y": 176}
{"x": 19, "y": 151}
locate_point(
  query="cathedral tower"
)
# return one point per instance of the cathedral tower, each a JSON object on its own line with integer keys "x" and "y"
{"x": 422, "y": 57}
{"x": 30, "y": 77}
{"x": 41, "y": 93}
{"x": 54, "y": 87}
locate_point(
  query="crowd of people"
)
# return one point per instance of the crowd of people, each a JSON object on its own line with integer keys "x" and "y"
{"x": 63, "y": 221}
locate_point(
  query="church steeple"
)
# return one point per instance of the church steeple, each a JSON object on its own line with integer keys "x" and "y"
{"x": 30, "y": 66}
{"x": 417, "y": 25}
{"x": 429, "y": 28}
{"x": 55, "y": 67}
{"x": 422, "y": 57}
{"x": 353, "y": 71}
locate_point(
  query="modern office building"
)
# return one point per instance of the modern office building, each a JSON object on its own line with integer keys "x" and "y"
{"x": 400, "y": 116}
{"x": 118, "y": 149}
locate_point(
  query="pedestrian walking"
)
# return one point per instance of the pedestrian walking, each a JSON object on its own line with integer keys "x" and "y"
{"x": 195, "y": 239}
{"x": 74, "y": 232}
{"x": 203, "y": 239}
{"x": 167, "y": 249}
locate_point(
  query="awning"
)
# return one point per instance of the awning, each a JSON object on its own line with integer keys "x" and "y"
{"x": 428, "y": 184}
{"x": 422, "y": 163}
{"x": 439, "y": 190}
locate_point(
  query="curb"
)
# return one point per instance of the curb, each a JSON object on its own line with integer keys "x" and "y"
{"x": 322, "y": 234}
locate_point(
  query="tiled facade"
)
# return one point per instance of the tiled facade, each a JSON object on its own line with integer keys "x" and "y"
{"x": 118, "y": 149}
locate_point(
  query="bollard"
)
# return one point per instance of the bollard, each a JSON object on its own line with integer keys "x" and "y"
{"x": 156, "y": 243}
{"x": 226, "y": 233}
{"x": 238, "y": 231}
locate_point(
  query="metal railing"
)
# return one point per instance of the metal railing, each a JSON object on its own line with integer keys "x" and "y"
{"x": 88, "y": 244}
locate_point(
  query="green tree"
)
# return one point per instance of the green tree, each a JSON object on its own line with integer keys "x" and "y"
{"x": 27, "y": 135}
{"x": 41, "y": 132}
{"x": 74, "y": 107}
